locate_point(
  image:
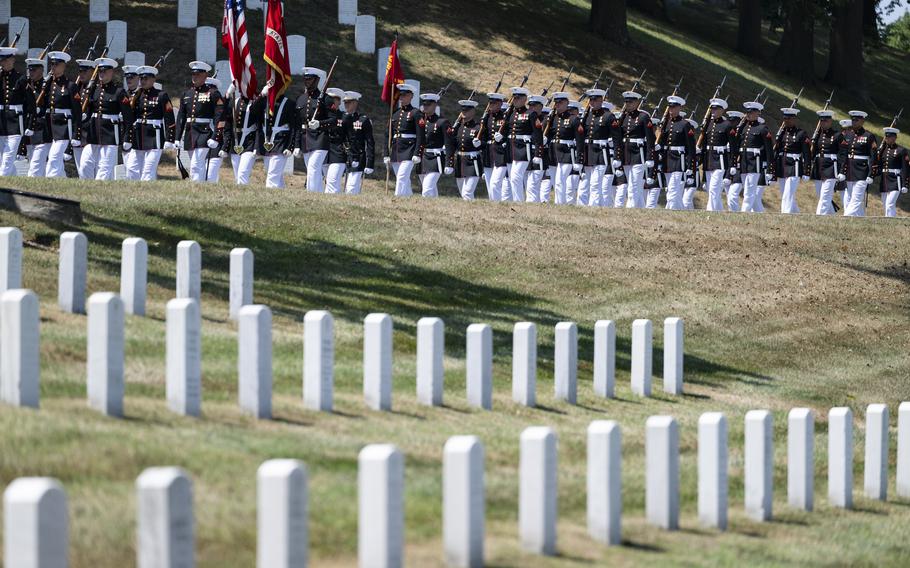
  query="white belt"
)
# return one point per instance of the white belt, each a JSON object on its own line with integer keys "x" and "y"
{"x": 830, "y": 156}
{"x": 719, "y": 148}
{"x": 63, "y": 111}
{"x": 570, "y": 143}
{"x": 405, "y": 136}
{"x": 469, "y": 154}
{"x": 794, "y": 156}
{"x": 208, "y": 121}
{"x": 638, "y": 141}
{"x": 895, "y": 172}
{"x": 280, "y": 128}
{"x": 525, "y": 137}
{"x": 860, "y": 158}
{"x": 754, "y": 150}
{"x": 434, "y": 151}
{"x": 111, "y": 117}
{"x": 151, "y": 121}
{"x": 678, "y": 149}
{"x": 16, "y": 108}
{"x": 601, "y": 142}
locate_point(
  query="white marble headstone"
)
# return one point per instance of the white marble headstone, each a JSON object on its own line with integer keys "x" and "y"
{"x": 380, "y": 518}
{"x": 430, "y": 352}
{"x": 800, "y": 458}
{"x": 34, "y": 52}
{"x": 136, "y": 58}
{"x": 479, "y": 365}
{"x": 347, "y": 12}
{"x": 565, "y": 362}
{"x": 240, "y": 292}
{"x": 165, "y": 524}
{"x": 537, "y": 490}
{"x": 382, "y": 62}
{"x": 416, "y": 84}
{"x": 604, "y": 358}
{"x": 902, "y": 474}
{"x": 254, "y": 4}
{"x": 365, "y": 34}
{"x": 758, "y": 463}
{"x": 875, "y": 475}
{"x": 206, "y": 46}
{"x": 297, "y": 53}
{"x": 281, "y": 513}
{"x": 673, "y": 356}
{"x": 189, "y": 270}
{"x": 463, "y": 501}
{"x": 712, "y": 470}
{"x": 35, "y": 524}
{"x": 840, "y": 457}
{"x": 223, "y": 68}
{"x": 10, "y": 258}
{"x": 5, "y": 11}
{"x": 134, "y": 275}
{"x": 19, "y": 365}
{"x": 641, "y": 357}
{"x": 662, "y": 472}
{"x": 184, "y": 375}
{"x": 524, "y": 364}
{"x": 15, "y": 23}
{"x": 120, "y": 172}
{"x": 604, "y": 482}
{"x": 99, "y": 10}
{"x": 254, "y": 362}
{"x": 318, "y": 360}
{"x": 72, "y": 272}
{"x": 187, "y": 13}
{"x": 377, "y": 361}
{"x": 116, "y": 29}
{"x": 104, "y": 348}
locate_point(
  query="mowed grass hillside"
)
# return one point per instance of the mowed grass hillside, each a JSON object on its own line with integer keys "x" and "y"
{"x": 779, "y": 311}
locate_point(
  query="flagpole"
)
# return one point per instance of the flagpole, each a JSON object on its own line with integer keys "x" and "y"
{"x": 388, "y": 169}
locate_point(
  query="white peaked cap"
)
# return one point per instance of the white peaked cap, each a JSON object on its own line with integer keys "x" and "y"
{"x": 352, "y": 96}
{"x": 87, "y": 63}
{"x": 790, "y": 111}
{"x": 213, "y": 82}
{"x": 825, "y": 113}
{"x": 858, "y": 114}
{"x": 560, "y": 95}
{"x": 405, "y": 87}
{"x": 335, "y": 92}
{"x": 546, "y": 110}
{"x": 575, "y": 105}
{"x": 520, "y": 91}
{"x": 467, "y": 103}
{"x": 33, "y": 62}
{"x": 147, "y": 70}
{"x": 734, "y": 114}
{"x": 537, "y": 100}
{"x": 595, "y": 93}
{"x": 158, "y": 86}
{"x": 429, "y": 97}
{"x": 891, "y": 131}
{"x": 129, "y": 69}
{"x": 200, "y": 66}
{"x": 674, "y": 100}
{"x": 753, "y": 105}
{"x": 846, "y": 123}
{"x": 106, "y": 62}
{"x": 608, "y": 105}
{"x": 692, "y": 123}
{"x": 720, "y": 103}
{"x": 496, "y": 97}
{"x": 7, "y": 51}
{"x": 631, "y": 95}
{"x": 59, "y": 56}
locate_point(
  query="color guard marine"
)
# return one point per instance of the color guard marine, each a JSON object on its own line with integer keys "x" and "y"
{"x": 406, "y": 139}
{"x": 463, "y": 149}
{"x": 17, "y": 104}
{"x": 753, "y": 154}
{"x": 276, "y": 137}
{"x": 199, "y": 120}
{"x": 241, "y": 125}
{"x": 58, "y": 99}
{"x": 894, "y": 167}
{"x": 337, "y": 158}
{"x": 312, "y": 133}
{"x": 432, "y": 151}
{"x": 154, "y": 129}
{"x": 791, "y": 159}
{"x": 495, "y": 165}
{"x": 359, "y": 145}
{"x": 857, "y": 162}
{"x": 110, "y": 118}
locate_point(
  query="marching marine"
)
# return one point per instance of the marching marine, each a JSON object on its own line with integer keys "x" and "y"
{"x": 523, "y": 131}
{"x": 825, "y": 148}
{"x": 754, "y": 151}
{"x": 636, "y": 151}
{"x": 16, "y": 108}
{"x": 565, "y": 132}
{"x": 677, "y": 152}
{"x": 495, "y": 166}
{"x": 536, "y": 171}
{"x": 406, "y": 140}
{"x": 110, "y": 118}
{"x": 894, "y": 166}
{"x": 39, "y": 140}
{"x": 336, "y": 159}
{"x": 58, "y": 99}
{"x": 359, "y": 146}
{"x": 154, "y": 129}
{"x": 858, "y": 150}
{"x": 130, "y": 159}
{"x": 241, "y": 127}
{"x": 432, "y": 150}
{"x": 791, "y": 160}
{"x": 601, "y": 135}
{"x": 199, "y": 120}
{"x": 312, "y": 136}
{"x": 734, "y": 188}
{"x": 276, "y": 136}
{"x": 463, "y": 150}
{"x": 717, "y": 159}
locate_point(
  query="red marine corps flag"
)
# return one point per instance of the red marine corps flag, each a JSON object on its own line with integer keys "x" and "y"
{"x": 394, "y": 75}
{"x": 277, "y": 58}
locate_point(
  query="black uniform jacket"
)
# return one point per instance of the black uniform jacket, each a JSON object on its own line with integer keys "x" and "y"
{"x": 678, "y": 150}
{"x": 155, "y": 123}
{"x": 463, "y": 157}
{"x": 894, "y": 166}
{"x": 201, "y": 116}
{"x": 359, "y": 145}
{"x": 241, "y": 125}
{"x": 637, "y": 137}
{"x": 602, "y": 136}
{"x": 857, "y": 155}
{"x": 434, "y": 128}
{"x": 277, "y": 130}
{"x": 792, "y": 156}
{"x": 754, "y": 147}
{"x": 827, "y": 145}
{"x": 110, "y": 115}
{"x": 407, "y": 133}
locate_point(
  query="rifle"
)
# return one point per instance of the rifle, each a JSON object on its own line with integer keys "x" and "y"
{"x": 818, "y": 127}
{"x": 444, "y": 90}
{"x": 638, "y": 81}
{"x": 47, "y": 78}
{"x": 486, "y": 111}
{"x": 18, "y": 35}
{"x": 461, "y": 114}
{"x": 552, "y": 115}
{"x": 49, "y": 46}
{"x": 704, "y": 121}
{"x": 325, "y": 86}
{"x": 157, "y": 65}
{"x": 524, "y": 81}
{"x": 896, "y": 118}
{"x": 662, "y": 125}
{"x": 93, "y": 48}
{"x": 544, "y": 92}
{"x": 596, "y": 81}
{"x": 91, "y": 83}
{"x": 780, "y": 130}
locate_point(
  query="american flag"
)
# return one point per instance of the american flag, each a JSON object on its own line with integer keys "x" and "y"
{"x": 236, "y": 42}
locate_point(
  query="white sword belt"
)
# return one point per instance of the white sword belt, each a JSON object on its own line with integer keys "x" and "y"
{"x": 434, "y": 151}
{"x": 469, "y": 154}
{"x": 638, "y": 141}
{"x": 719, "y": 148}
{"x": 794, "y": 156}
{"x": 406, "y": 136}
{"x": 680, "y": 149}
{"x": 156, "y": 122}
{"x": 11, "y": 108}
{"x": 896, "y": 172}
{"x": 523, "y": 137}
{"x": 830, "y": 156}
{"x": 569, "y": 143}
{"x": 754, "y": 150}
{"x": 207, "y": 121}
{"x": 605, "y": 143}
{"x": 111, "y": 117}
{"x": 63, "y": 111}
{"x": 866, "y": 158}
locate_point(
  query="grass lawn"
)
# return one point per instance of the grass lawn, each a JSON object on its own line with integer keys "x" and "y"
{"x": 780, "y": 312}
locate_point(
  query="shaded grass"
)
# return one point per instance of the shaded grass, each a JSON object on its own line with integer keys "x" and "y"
{"x": 779, "y": 311}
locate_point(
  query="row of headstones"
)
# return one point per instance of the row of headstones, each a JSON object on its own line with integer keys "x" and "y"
{"x": 36, "y": 516}
{"x": 187, "y": 11}
{"x": 19, "y": 319}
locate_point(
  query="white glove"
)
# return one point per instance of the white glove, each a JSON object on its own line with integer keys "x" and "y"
{"x": 619, "y": 173}
{"x": 75, "y": 143}
{"x": 726, "y": 182}
{"x": 297, "y": 152}
{"x": 536, "y": 161}
{"x": 903, "y": 190}
{"x": 576, "y": 167}
{"x": 868, "y": 180}
{"x": 84, "y": 116}
{"x": 416, "y": 159}
{"x": 476, "y": 142}
{"x": 230, "y": 92}
{"x": 211, "y": 143}
{"x": 649, "y": 181}
{"x": 29, "y": 132}
{"x": 805, "y": 178}
{"x": 688, "y": 173}
{"x": 497, "y": 136}
{"x": 657, "y": 147}
{"x": 841, "y": 177}
{"x": 222, "y": 154}
{"x": 287, "y": 153}
{"x": 387, "y": 160}
{"x": 649, "y": 163}
{"x": 265, "y": 90}
{"x": 546, "y": 140}
{"x": 367, "y": 171}
{"x": 127, "y": 146}
{"x": 169, "y": 146}
{"x": 733, "y": 171}
{"x": 67, "y": 157}
{"x": 313, "y": 124}
{"x": 355, "y": 165}
{"x": 617, "y": 165}
{"x": 448, "y": 171}
{"x": 178, "y": 145}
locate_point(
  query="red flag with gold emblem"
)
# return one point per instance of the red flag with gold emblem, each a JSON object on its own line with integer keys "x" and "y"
{"x": 394, "y": 74}
{"x": 277, "y": 58}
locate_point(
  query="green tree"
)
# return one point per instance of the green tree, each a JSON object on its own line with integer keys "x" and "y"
{"x": 897, "y": 34}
